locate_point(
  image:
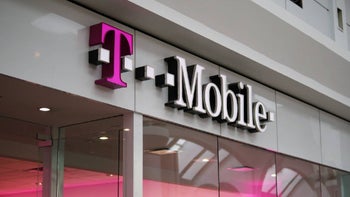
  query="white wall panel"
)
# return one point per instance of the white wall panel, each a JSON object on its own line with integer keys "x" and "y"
{"x": 279, "y": 46}
{"x": 281, "y": 3}
{"x": 347, "y": 21}
{"x": 335, "y": 135}
{"x": 298, "y": 129}
{"x": 340, "y": 34}
{"x": 316, "y": 13}
{"x": 267, "y": 139}
{"x": 47, "y": 42}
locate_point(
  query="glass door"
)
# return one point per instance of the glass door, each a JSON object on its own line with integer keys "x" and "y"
{"x": 23, "y": 155}
{"x": 93, "y": 158}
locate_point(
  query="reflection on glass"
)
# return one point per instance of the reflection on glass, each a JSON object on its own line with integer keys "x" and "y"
{"x": 245, "y": 170}
{"x": 21, "y": 159}
{"x": 183, "y": 162}
{"x": 297, "y": 177}
{"x": 178, "y": 161}
{"x": 334, "y": 183}
{"x": 92, "y": 158}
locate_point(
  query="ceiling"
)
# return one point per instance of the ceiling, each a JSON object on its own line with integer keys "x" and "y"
{"x": 21, "y": 121}
{"x": 21, "y": 100}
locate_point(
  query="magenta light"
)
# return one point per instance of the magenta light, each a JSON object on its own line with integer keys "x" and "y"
{"x": 120, "y": 44}
{"x": 241, "y": 169}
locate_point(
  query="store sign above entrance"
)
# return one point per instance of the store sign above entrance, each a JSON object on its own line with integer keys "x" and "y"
{"x": 222, "y": 101}
{"x": 231, "y": 103}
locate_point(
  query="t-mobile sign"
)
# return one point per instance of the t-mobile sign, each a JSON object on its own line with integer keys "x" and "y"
{"x": 224, "y": 102}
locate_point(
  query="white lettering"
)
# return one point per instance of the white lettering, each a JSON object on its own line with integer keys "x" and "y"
{"x": 231, "y": 103}
{"x": 209, "y": 102}
{"x": 259, "y": 115}
{"x": 249, "y": 108}
{"x": 228, "y": 97}
{"x": 193, "y": 90}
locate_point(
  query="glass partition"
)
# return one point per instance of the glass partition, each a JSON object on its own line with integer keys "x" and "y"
{"x": 245, "y": 170}
{"x": 22, "y": 156}
{"x": 92, "y": 158}
{"x": 178, "y": 161}
{"x": 297, "y": 177}
{"x": 335, "y": 183}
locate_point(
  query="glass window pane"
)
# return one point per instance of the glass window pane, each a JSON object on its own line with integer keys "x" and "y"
{"x": 178, "y": 161}
{"x": 21, "y": 159}
{"x": 92, "y": 158}
{"x": 335, "y": 183}
{"x": 297, "y": 177}
{"x": 245, "y": 170}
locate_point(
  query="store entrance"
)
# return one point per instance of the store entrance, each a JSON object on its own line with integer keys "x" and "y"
{"x": 86, "y": 159}
{"x": 72, "y": 149}
{"x": 21, "y": 158}
{"x": 93, "y": 158}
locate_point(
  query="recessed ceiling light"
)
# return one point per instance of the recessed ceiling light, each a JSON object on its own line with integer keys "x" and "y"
{"x": 37, "y": 54}
{"x": 103, "y": 138}
{"x": 161, "y": 151}
{"x": 44, "y": 109}
{"x": 242, "y": 169}
{"x": 205, "y": 160}
{"x": 126, "y": 129}
{"x": 273, "y": 175}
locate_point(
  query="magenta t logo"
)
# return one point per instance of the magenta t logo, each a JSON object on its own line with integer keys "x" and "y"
{"x": 115, "y": 45}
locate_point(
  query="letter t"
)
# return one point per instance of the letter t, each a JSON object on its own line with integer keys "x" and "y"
{"x": 119, "y": 43}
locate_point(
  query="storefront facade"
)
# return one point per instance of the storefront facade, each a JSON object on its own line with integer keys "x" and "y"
{"x": 133, "y": 115}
